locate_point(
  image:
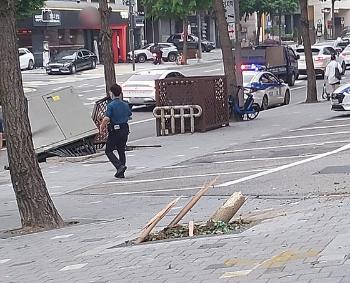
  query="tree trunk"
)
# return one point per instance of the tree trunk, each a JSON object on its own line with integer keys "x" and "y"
{"x": 185, "y": 46}
{"x": 310, "y": 70}
{"x": 107, "y": 52}
{"x": 280, "y": 26}
{"x": 258, "y": 31}
{"x": 36, "y": 208}
{"x": 226, "y": 47}
{"x": 333, "y": 19}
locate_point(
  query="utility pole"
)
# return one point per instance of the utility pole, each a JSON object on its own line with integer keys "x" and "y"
{"x": 333, "y": 20}
{"x": 131, "y": 32}
{"x": 199, "y": 24}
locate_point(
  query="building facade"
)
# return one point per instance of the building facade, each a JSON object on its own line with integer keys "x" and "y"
{"x": 66, "y": 24}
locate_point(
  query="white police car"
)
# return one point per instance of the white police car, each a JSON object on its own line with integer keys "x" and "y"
{"x": 267, "y": 89}
{"x": 341, "y": 98}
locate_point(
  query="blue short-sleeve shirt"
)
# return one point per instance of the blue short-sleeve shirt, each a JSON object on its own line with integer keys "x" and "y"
{"x": 118, "y": 111}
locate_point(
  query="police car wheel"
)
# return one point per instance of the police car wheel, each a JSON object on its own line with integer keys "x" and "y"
{"x": 265, "y": 103}
{"x": 291, "y": 80}
{"x": 286, "y": 98}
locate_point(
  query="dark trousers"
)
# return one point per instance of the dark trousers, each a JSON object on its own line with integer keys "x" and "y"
{"x": 117, "y": 141}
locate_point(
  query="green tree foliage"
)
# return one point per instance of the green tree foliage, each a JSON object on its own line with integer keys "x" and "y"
{"x": 26, "y": 8}
{"x": 175, "y": 9}
{"x": 273, "y": 7}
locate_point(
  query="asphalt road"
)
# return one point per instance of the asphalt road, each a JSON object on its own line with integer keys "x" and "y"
{"x": 89, "y": 85}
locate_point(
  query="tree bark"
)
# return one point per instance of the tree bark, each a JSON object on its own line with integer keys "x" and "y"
{"x": 280, "y": 26}
{"x": 238, "y": 59}
{"x": 226, "y": 47}
{"x": 36, "y": 208}
{"x": 310, "y": 70}
{"x": 258, "y": 31}
{"x": 107, "y": 51}
{"x": 185, "y": 46}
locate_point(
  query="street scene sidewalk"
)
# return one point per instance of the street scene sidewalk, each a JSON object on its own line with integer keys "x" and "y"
{"x": 292, "y": 168}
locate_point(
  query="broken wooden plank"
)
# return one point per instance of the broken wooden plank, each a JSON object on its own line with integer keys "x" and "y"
{"x": 190, "y": 228}
{"x": 154, "y": 221}
{"x": 226, "y": 212}
{"x": 192, "y": 202}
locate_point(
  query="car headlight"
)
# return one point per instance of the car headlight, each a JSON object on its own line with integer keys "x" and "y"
{"x": 66, "y": 65}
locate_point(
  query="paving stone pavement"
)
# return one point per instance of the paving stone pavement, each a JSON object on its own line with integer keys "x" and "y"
{"x": 308, "y": 242}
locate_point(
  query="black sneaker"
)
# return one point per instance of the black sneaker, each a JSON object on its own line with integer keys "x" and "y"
{"x": 120, "y": 171}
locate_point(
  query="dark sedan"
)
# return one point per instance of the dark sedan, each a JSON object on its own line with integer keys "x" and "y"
{"x": 177, "y": 39}
{"x": 71, "y": 61}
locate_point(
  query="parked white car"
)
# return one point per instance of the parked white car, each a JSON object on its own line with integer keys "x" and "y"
{"x": 170, "y": 53}
{"x": 26, "y": 59}
{"x": 322, "y": 56}
{"x": 139, "y": 89}
{"x": 341, "y": 98}
{"x": 346, "y": 55}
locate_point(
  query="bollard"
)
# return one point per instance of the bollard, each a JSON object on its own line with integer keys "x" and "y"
{"x": 177, "y": 112}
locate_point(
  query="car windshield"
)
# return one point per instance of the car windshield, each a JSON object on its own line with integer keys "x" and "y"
{"x": 247, "y": 78}
{"x": 315, "y": 51}
{"x": 347, "y": 49}
{"x": 146, "y": 46}
{"x": 66, "y": 55}
{"x": 144, "y": 78}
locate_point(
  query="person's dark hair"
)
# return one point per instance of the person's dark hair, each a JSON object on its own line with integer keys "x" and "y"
{"x": 116, "y": 90}
{"x": 333, "y": 57}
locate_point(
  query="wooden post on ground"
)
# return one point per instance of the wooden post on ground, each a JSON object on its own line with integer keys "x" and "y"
{"x": 229, "y": 208}
{"x": 154, "y": 221}
{"x": 192, "y": 202}
{"x": 190, "y": 228}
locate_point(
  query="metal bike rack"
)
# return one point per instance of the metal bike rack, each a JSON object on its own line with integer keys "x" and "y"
{"x": 177, "y": 112}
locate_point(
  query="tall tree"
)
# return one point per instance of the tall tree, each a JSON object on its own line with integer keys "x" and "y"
{"x": 25, "y": 8}
{"x": 310, "y": 70}
{"x": 248, "y": 7}
{"x": 107, "y": 52}
{"x": 281, "y": 7}
{"x": 176, "y": 9}
{"x": 36, "y": 208}
{"x": 226, "y": 47}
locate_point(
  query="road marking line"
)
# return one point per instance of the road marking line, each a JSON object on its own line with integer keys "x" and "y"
{"x": 4, "y": 260}
{"x": 319, "y": 128}
{"x": 304, "y": 136}
{"x": 82, "y": 85}
{"x": 339, "y": 119}
{"x": 263, "y": 159}
{"x": 142, "y": 121}
{"x": 284, "y": 167}
{"x": 155, "y": 191}
{"x": 92, "y": 90}
{"x": 182, "y": 177}
{"x": 95, "y": 202}
{"x": 73, "y": 267}
{"x": 62, "y": 237}
{"x": 175, "y": 167}
{"x": 280, "y": 146}
{"x": 298, "y": 87}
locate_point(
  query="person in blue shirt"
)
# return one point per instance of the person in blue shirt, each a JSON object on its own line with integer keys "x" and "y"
{"x": 115, "y": 121}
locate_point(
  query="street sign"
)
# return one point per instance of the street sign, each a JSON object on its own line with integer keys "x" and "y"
{"x": 47, "y": 18}
{"x": 229, "y": 10}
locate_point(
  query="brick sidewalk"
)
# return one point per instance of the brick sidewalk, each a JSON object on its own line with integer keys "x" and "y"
{"x": 308, "y": 243}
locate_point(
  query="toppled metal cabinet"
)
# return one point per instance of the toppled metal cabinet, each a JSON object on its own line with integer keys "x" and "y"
{"x": 61, "y": 124}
